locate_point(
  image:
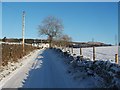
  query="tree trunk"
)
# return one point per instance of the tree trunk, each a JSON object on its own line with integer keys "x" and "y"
{"x": 50, "y": 41}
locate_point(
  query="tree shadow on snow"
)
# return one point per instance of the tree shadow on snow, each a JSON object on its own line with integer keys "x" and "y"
{"x": 32, "y": 77}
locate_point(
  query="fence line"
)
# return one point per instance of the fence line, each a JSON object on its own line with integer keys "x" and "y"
{"x": 93, "y": 53}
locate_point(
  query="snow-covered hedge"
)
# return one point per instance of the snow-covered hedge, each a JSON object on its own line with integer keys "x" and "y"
{"x": 108, "y": 73}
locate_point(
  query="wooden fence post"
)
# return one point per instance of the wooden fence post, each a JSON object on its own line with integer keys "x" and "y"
{"x": 72, "y": 49}
{"x": 81, "y": 56}
{"x": 80, "y": 51}
{"x": 116, "y": 58}
{"x": 94, "y": 53}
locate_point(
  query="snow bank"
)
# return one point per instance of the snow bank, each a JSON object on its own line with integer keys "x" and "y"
{"x": 104, "y": 73}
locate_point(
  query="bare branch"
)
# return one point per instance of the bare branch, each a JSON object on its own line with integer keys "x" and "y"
{"x": 51, "y": 26}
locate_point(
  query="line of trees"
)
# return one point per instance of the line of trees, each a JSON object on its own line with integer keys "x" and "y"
{"x": 53, "y": 28}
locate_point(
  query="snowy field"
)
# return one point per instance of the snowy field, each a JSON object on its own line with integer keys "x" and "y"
{"x": 102, "y": 53}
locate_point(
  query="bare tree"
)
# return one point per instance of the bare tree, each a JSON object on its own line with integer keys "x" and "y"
{"x": 52, "y": 27}
{"x": 65, "y": 40}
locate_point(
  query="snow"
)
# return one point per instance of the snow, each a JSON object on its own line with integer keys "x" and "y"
{"x": 102, "y": 53}
{"x": 49, "y": 71}
{"x": 43, "y": 69}
{"x": 50, "y": 74}
{"x": 19, "y": 74}
{"x": 46, "y": 68}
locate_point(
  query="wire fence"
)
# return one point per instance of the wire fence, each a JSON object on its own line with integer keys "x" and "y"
{"x": 109, "y": 53}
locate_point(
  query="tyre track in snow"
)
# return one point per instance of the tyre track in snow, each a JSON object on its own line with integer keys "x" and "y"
{"x": 50, "y": 74}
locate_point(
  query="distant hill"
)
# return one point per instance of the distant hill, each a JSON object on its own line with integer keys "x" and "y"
{"x": 88, "y": 44}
